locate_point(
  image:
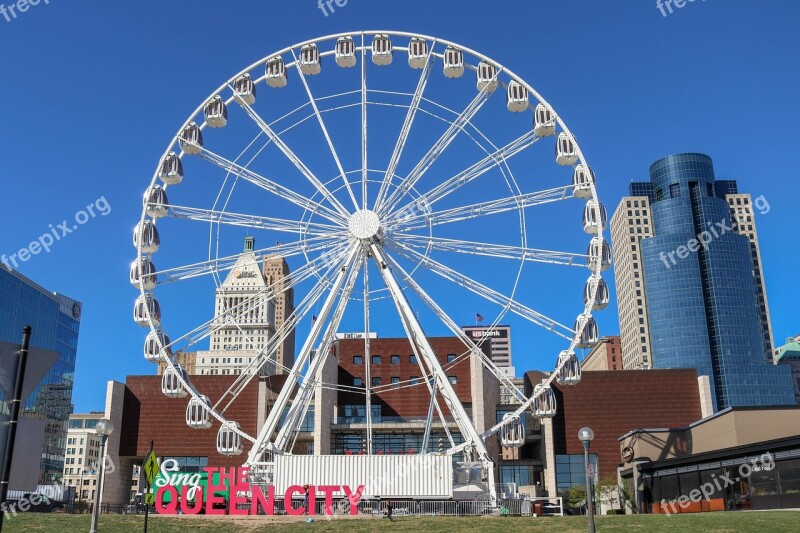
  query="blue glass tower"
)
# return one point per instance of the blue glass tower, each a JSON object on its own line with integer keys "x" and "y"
{"x": 55, "y": 320}
{"x": 700, "y": 287}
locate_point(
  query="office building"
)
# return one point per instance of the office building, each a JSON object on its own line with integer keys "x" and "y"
{"x": 631, "y": 223}
{"x": 744, "y": 223}
{"x": 499, "y": 340}
{"x": 605, "y": 355}
{"x": 244, "y": 316}
{"x": 82, "y": 457}
{"x": 698, "y": 283}
{"x": 55, "y": 322}
{"x": 276, "y": 272}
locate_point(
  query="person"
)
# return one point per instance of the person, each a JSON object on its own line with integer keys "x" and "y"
{"x": 389, "y": 511}
{"x": 305, "y": 498}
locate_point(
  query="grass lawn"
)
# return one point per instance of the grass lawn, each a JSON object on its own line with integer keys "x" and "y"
{"x": 739, "y": 522}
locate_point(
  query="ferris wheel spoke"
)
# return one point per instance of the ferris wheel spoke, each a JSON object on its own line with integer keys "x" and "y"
{"x": 251, "y": 221}
{"x": 452, "y": 184}
{"x": 324, "y": 132}
{"x": 492, "y": 250}
{"x": 299, "y": 407}
{"x": 404, "y": 131}
{"x": 435, "y": 151}
{"x": 490, "y": 207}
{"x": 270, "y": 186}
{"x": 363, "y": 125}
{"x": 483, "y": 291}
{"x": 453, "y": 327}
{"x": 296, "y": 161}
{"x": 223, "y": 264}
{"x": 293, "y": 379}
{"x": 419, "y": 341}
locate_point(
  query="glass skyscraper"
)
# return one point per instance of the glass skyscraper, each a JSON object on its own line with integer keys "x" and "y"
{"x": 55, "y": 321}
{"x": 700, "y": 288}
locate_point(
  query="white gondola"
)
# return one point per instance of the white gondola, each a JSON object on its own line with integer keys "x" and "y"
{"x": 145, "y": 309}
{"x": 171, "y": 384}
{"x": 582, "y": 180}
{"x": 544, "y": 121}
{"x": 566, "y": 150}
{"x": 155, "y": 200}
{"x": 143, "y": 274}
{"x": 197, "y": 413}
{"x": 594, "y": 217}
{"x": 216, "y": 113}
{"x": 569, "y": 372}
{"x": 601, "y": 296}
{"x": 191, "y": 139}
{"x": 244, "y": 90}
{"x": 145, "y": 237}
{"x": 486, "y": 75}
{"x": 586, "y": 329}
{"x": 229, "y": 441}
{"x": 598, "y": 254}
{"x": 453, "y": 62}
{"x": 382, "y": 50}
{"x": 345, "y": 52}
{"x": 276, "y": 72}
{"x": 544, "y": 402}
{"x": 309, "y": 60}
{"x": 156, "y": 347}
{"x": 417, "y": 53}
{"x": 516, "y": 97}
{"x": 512, "y": 435}
{"x": 171, "y": 170}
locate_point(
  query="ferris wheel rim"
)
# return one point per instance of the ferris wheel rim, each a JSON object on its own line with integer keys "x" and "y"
{"x": 596, "y": 271}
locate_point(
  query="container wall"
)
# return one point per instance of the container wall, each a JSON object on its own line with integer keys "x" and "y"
{"x": 384, "y": 476}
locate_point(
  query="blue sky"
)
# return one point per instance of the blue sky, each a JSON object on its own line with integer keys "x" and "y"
{"x": 93, "y": 92}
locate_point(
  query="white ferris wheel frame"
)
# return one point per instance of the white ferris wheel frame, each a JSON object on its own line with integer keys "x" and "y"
{"x": 337, "y": 268}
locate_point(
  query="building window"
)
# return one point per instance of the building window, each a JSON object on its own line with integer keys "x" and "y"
{"x": 414, "y": 380}
{"x": 358, "y": 359}
{"x": 451, "y": 357}
{"x": 376, "y": 382}
{"x": 452, "y": 379}
{"x": 395, "y": 359}
{"x": 376, "y": 359}
{"x": 412, "y": 359}
{"x": 358, "y": 382}
{"x": 395, "y": 380}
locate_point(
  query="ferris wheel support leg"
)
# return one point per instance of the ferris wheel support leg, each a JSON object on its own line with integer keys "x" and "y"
{"x": 407, "y": 315}
{"x": 262, "y": 442}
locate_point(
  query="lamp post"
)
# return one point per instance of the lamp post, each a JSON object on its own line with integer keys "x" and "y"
{"x": 103, "y": 429}
{"x": 586, "y": 435}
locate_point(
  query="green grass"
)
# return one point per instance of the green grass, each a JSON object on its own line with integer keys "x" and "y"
{"x": 738, "y": 522}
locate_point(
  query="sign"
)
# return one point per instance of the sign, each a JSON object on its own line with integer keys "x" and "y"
{"x": 627, "y": 454}
{"x": 150, "y": 467}
{"x": 227, "y": 491}
{"x": 358, "y": 335}
{"x": 149, "y": 498}
{"x": 590, "y": 471}
{"x": 489, "y": 333}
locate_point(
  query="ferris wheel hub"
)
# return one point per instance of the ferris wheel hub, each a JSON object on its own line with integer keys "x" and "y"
{"x": 364, "y": 224}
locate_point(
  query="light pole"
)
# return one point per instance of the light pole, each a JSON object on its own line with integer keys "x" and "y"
{"x": 103, "y": 429}
{"x": 586, "y": 435}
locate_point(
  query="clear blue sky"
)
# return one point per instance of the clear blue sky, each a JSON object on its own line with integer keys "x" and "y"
{"x": 93, "y": 91}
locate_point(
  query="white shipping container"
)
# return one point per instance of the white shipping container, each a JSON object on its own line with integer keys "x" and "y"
{"x": 384, "y": 476}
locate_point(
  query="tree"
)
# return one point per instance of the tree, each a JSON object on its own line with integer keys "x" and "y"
{"x": 576, "y": 496}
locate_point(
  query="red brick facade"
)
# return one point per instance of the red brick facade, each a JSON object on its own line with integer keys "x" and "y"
{"x": 149, "y": 415}
{"x": 411, "y": 401}
{"x": 614, "y": 403}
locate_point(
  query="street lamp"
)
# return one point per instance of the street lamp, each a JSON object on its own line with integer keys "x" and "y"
{"x": 586, "y": 435}
{"x": 104, "y": 428}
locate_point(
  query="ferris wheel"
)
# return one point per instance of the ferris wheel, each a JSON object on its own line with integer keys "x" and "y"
{"x": 403, "y": 177}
